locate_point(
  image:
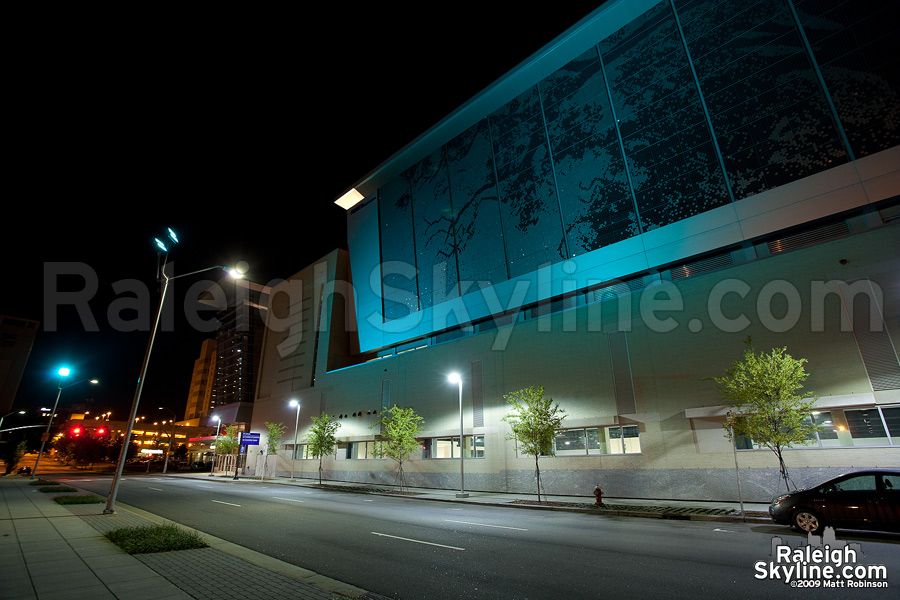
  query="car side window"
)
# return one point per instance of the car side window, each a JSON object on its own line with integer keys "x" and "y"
{"x": 891, "y": 484}
{"x": 860, "y": 483}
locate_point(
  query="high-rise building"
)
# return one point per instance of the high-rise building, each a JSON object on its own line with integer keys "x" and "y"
{"x": 611, "y": 220}
{"x": 202, "y": 379}
{"x": 238, "y": 340}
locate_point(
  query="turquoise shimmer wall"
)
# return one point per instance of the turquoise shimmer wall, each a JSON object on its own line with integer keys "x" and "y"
{"x": 692, "y": 106}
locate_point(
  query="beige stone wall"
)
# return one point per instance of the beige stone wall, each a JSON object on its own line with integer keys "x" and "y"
{"x": 568, "y": 353}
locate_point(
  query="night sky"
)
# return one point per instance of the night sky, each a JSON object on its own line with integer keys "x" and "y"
{"x": 238, "y": 130}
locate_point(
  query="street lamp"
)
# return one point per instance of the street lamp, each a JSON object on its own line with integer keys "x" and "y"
{"x": 296, "y": 424}
{"x": 215, "y": 449}
{"x": 171, "y": 437}
{"x": 15, "y": 412}
{"x": 63, "y": 372}
{"x": 164, "y": 253}
{"x": 455, "y": 378}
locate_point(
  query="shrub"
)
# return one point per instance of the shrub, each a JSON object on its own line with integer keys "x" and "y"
{"x": 89, "y": 499}
{"x": 56, "y": 490}
{"x": 155, "y": 538}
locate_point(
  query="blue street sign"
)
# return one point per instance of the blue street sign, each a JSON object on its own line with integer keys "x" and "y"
{"x": 249, "y": 439}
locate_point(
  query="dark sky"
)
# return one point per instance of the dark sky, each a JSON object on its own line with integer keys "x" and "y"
{"x": 238, "y": 130}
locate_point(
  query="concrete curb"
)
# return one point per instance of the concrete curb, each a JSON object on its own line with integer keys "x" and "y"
{"x": 253, "y": 557}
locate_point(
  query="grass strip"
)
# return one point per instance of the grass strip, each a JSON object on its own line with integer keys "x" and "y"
{"x": 56, "y": 490}
{"x": 89, "y": 499}
{"x": 154, "y": 538}
{"x": 44, "y": 482}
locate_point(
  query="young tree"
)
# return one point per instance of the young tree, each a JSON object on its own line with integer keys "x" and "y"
{"x": 534, "y": 420}
{"x": 228, "y": 443}
{"x": 181, "y": 452}
{"x": 321, "y": 438}
{"x": 274, "y": 431}
{"x": 11, "y": 453}
{"x": 763, "y": 388}
{"x": 399, "y": 429}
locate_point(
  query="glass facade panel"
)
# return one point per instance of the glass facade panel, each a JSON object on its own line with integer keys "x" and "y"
{"x": 570, "y": 442}
{"x": 674, "y": 169}
{"x": 399, "y": 285}
{"x": 476, "y": 211}
{"x": 449, "y": 447}
{"x": 854, "y": 43}
{"x": 865, "y": 427}
{"x": 595, "y": 445}
{"x": 847, "y": 428}
{"x": 434, "y": 237}
{"x": 892, "y": 418}
{"x": 771, "y": 119}
{"x": 596, "y": 441}
{"x": 543, "y": 178}
{"x": 590, "y": 173}
{"x": 828, "y": 434}
{"x": 529, "y": 206}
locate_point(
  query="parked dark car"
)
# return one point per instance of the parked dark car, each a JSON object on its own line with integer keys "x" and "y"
{"x": 858, "y": 500}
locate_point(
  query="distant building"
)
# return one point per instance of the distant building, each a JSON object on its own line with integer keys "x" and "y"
{"x": 202, "y": 379}
{"x": 16, "y": 340}
{"x": 150, "y": 436}
{"x": 610, "y": 220}
{"x": 241, "y": 308}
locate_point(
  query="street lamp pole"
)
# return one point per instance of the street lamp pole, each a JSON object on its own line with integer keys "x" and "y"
{"x": 20, "y": 412}
{"x": 117, "y": 478}
{"x": 171, "y": 437}
{"x": 737, "y": 471}
{"x": 63, "y": 372}
{"x": 455, "y": 378}
{"x": 296, "y": 425}
{"x": 215, "y": 450}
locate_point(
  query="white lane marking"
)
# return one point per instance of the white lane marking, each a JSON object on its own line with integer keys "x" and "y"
{"x": 485, "y": 525}
{"x": 228, "y": 503}
{"x": 416, "y": 541}
{"x": 368, "y": 501}
{"x": 153, "y": 488}
{"x": 288, "y": 499}
{"x": 723, "y": 530}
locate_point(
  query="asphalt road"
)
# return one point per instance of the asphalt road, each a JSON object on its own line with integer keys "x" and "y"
{"x": 413, "y": 549}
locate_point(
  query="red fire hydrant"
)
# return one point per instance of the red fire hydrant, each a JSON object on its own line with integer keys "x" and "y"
{"x": 598, "y": 494}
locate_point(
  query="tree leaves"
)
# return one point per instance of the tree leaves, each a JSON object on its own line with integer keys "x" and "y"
{"x": 534, "y": 421}
{"x": 764, "y": 390}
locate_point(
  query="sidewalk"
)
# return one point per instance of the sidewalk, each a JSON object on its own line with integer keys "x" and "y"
{"x": 59, "y": 552}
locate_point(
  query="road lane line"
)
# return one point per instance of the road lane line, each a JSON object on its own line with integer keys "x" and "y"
{"x": 228, "y": 503}
{"x": 288, "y": 499}
{"x": 485, "y": 525}
{"x": 416, "y": 541}
{"x": 153, "y": 488}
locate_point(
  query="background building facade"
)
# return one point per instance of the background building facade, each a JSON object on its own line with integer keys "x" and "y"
{"x": 610, "y": 220}
{"x": 16, "y": 340}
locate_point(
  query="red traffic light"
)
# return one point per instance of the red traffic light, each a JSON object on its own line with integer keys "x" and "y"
{"x": 76, "y": 431}
{"x": 101, "y": 431}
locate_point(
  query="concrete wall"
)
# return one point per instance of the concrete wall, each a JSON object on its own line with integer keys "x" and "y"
{"x": 569, "y": 354}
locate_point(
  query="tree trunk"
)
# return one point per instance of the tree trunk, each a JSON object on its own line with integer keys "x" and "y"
{"x": 320, "y": 470}
{"x": 783, "y": 468}
{"x": 537, "y": 473}
{"x": 400, "y": 475}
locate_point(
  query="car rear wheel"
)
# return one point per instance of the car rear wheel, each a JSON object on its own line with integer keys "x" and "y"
{"x": 807, "y": 520}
